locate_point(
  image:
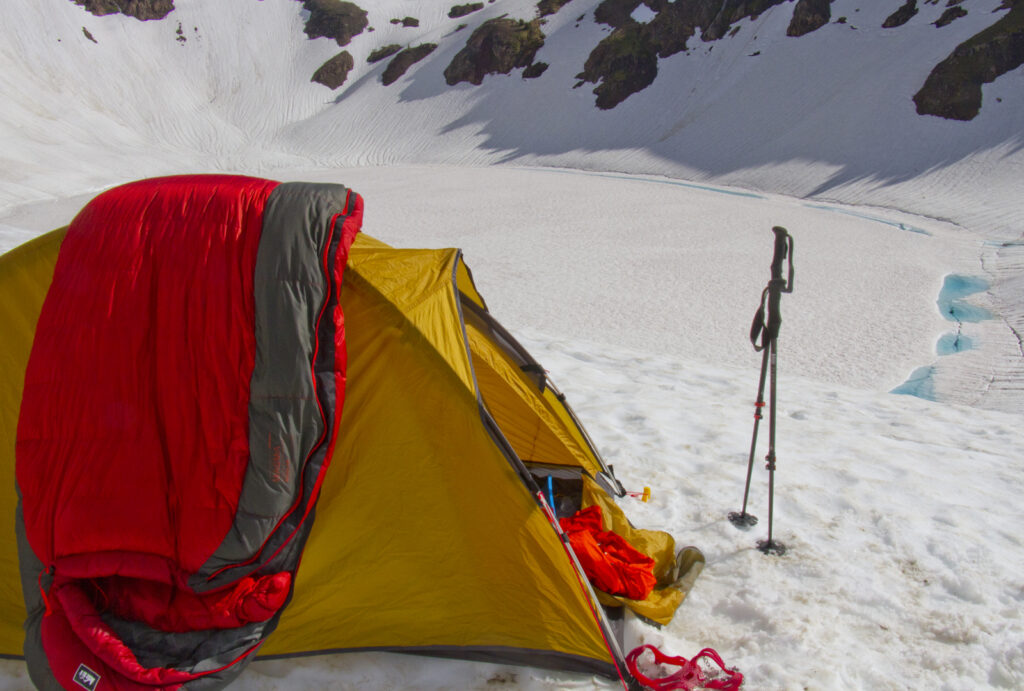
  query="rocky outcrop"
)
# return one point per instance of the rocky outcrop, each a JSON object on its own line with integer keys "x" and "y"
{"x": 625, "y": 62}
{"x": 404, "y": 60}
{"x": 951, "y": 14}
{"x": 463, "y": 10}
{"x": 334, "y": 72}
{"x": 953, "y": 89}
{"x": 901, "y": 16}
{"x": 142, "y": 10}
{"x": 407, "y": 22}
{"x": 383, "y": 52}
{"x": 496, "y": 46}
{"x": 335, "y": 19}
{"x": 808, "y": 16}
{"x": 546, "y": 8}
{"x": 535, "y": 70}
{"x": 732, "y": 11}
{"x": 616, "y": 13}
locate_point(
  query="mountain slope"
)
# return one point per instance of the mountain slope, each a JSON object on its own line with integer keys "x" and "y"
{"x": 828, "y": 115}
{"x": 754, "y": 108}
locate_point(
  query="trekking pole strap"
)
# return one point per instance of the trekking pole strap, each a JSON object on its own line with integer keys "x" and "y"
{"x": 758, "y": 328}
{"x": 689, "y": 676}
{"x": 768, "y": 318}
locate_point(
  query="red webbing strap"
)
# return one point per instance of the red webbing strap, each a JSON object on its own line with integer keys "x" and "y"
{"x": 689, "y": 675}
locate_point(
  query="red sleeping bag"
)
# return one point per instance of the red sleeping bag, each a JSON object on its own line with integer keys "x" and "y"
{"x": 180, "y": 409}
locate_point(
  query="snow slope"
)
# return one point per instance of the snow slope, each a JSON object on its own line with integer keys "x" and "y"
{"x": 905, "y": 556}
{"x": 826, "y": 117}
{"x": 827, "y": 114}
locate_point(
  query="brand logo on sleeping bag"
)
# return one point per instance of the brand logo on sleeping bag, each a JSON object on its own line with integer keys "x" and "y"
{"x": 280, "y": 465}
{"x": 86, "y": 678}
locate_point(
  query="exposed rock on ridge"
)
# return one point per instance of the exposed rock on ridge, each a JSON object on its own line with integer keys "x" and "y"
{"x": 379, "y": 54}
{"x": 462, "y": 10}
{"x": 808, "y": 16}
{"x": 334, "y": 72}
{"x": 142, "y": 10}
{"x": 404, "y": 60}
{"x": 626, "y": 61}
{"x": 953, "y": 89}
{"x": 335, "y": 19}
{"x": 549, "y": 7}
{"x": 497, "y": 46}
{"x": 732, "y": 11}
{"x": 901, "y": 16}
{"x": 950, "y": 15}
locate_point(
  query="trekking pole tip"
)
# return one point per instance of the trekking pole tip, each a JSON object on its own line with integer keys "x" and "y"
{"x": 771, "y": 547}
{"x": 742, "y": 519}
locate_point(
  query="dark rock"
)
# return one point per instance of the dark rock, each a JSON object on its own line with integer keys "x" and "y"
{"x": 463, "y": 10}
{"x": 535, "y": 70}
{"x": 334, "y": 72}
{"x": 950, "y": 15}
{"x": 625, "y": 62}
{"x": 88, "y": 35}
{"x": 335, "y": 19}
{"x": 673, "y": 26}
{"x": 808, "y": 16}
{"x": 406, "y": 22}
{"x": 953, "y": 89}
{"x": 404, "y": 60}
{"x": 142, "y": 10}
{"x": 901, "y": 16}
{"x": 383, "y": 52}
{"x": 549, "y": 7}
{"x": 616, "y": 13}
{"x": 730, "y": 12}
{"x": 496, "y": 46}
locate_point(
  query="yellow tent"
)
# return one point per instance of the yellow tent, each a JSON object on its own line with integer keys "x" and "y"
{"x": 432, "y": 531}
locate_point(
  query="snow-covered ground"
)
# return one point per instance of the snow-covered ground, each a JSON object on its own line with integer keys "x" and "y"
{"x": 905, "y": 566}
{"x": 631, "y": 265}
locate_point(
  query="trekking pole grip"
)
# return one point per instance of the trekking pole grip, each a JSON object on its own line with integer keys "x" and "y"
{"x": 778, "y": 285}
{"x": 783, "y": 251}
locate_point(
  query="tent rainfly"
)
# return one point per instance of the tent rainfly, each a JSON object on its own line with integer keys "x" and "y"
{"x": 198, "y": 365}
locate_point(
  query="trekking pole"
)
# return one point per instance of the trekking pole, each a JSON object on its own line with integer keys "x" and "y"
{"x": 744, "y": 519}
{"x": 763, "y": 335}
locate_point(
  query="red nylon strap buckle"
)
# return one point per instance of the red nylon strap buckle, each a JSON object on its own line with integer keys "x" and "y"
{"x": 689, "y": 676}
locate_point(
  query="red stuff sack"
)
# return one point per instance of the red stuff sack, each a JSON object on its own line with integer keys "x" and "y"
{"x": 612, "y": 564}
